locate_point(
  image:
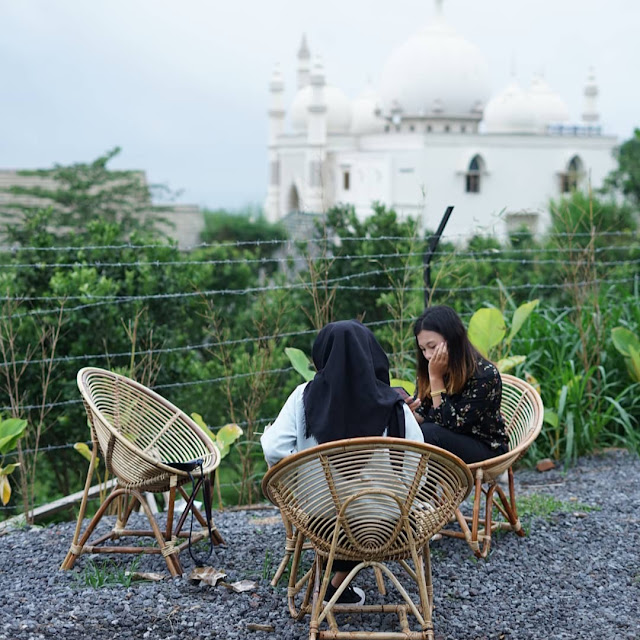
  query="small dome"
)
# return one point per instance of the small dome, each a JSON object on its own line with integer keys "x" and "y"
{"x": 515, "y": 110}
{"x": 548, "y": 106}
{"x": 363, "y": 113}
{"x": 510, "y": 112}
{"x": 338, "y": 109}
{"x": 436, "y": 72}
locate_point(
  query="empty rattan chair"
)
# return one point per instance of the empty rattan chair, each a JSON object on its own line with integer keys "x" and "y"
{"x": 523, "y": 413}
{"x": 138, "y": 434}
{"x": 373, "y": 501}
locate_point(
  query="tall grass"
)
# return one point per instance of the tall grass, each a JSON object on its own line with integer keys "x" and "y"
{"x": 587, "y": 408}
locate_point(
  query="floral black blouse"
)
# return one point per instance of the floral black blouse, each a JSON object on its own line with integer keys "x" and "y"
{"x": 475, "y": 411}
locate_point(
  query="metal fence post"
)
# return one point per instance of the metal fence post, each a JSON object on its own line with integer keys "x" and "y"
{"x": 433, "y": 245}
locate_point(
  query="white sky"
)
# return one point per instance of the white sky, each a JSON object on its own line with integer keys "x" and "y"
{"x": 181, "y": 85}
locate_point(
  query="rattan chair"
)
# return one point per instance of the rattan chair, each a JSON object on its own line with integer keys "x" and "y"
{"x": 523, "y": 413}
{"x": 137, "y": 433}
{"x": 372, "y": 501}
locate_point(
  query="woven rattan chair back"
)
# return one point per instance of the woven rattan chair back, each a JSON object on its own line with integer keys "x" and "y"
{"x": 138, "y": 434}
{"x": 523, "y": 413}
{"x": 372, "y": 501}
{"x": 139, "y": 431}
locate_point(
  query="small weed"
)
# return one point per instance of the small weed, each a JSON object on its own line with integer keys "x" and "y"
{"x": 437, "y": 554}
{"x": 266, "y": 564}
{"x": 543, "y": 506}
{"x": 106, "y": 574}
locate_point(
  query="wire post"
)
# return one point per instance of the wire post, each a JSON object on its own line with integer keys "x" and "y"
{"x": 433, "y": 245}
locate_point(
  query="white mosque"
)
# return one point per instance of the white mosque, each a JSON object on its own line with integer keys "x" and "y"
{"x": 430, "y": 135}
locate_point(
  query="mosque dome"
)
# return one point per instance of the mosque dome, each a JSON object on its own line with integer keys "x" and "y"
{"x": 510, "y": 112}
{"x": 515, "y": 110}
{"x": 436, "y": 73}
{"x": 363, "y": 113}
{"x": 548, "y": 106}
{"x": 338, "y": 109}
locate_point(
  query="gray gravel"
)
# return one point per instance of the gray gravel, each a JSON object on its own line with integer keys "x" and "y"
{"x": 577, "y": 575}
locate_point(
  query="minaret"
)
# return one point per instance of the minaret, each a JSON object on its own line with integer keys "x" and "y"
{"x": 590, "y": 115}
{"x": 276, "y": 127}
{"x": 316, "y": 140}
{"x": 304, "y": 63}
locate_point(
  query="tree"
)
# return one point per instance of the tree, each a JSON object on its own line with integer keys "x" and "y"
{"x": 68, "y": 198}
{"x": 626, "y": 178}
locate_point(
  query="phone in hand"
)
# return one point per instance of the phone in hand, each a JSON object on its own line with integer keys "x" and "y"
{"x": 404, "y": 394}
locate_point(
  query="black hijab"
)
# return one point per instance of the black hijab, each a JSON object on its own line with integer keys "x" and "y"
{"x": 350, "y": 396}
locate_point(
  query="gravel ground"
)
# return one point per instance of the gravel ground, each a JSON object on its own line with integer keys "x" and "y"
{"x": 577, "y": 575}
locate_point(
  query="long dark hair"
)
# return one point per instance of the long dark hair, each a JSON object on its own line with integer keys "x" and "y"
{"x": 463, "y": 357}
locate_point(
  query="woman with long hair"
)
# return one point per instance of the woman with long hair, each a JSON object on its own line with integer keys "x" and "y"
{"x": 459, "y": 392}
{"x": 349, "y": 397}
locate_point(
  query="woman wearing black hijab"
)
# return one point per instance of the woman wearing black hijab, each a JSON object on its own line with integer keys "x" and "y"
{"x": 349, "y": 397}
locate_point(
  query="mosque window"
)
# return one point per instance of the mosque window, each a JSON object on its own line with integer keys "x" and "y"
{"x": 570, "y": 179}
{"x": 474, "y": 172}
{"x": 346, "y": 180}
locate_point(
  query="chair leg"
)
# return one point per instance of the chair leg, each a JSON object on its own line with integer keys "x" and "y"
{"x": 510, "y": 506}
{"x": 476, "y": 513}
{"x": 423, "y": 575}
{"x": 380, "y": 581}
{"x": 289, "y": 546}
{"x": 283, "y": 563}
{"x": 316, "y": 605}
{"x": 216, "y": 536}
{"x": 167, "y": 547}
{"x": 77, "y": 547}
{"x": 296, "y": 585}
{"x": 486, "y": 532}
{"x": 71, "y": 557}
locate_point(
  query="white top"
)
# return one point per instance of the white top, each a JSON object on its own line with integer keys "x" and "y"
{"x": 287, "y": 434}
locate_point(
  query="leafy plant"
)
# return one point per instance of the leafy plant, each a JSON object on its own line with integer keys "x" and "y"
{"x": 223, "y": 438}
{"x": 11, "y": 431}
{"x": 628, "y": 344}
{"x": 487, "y": 330}
{"x": 301, "y": 363}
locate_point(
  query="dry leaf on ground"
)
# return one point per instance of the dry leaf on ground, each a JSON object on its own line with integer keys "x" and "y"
{"x": 207, "y": 575}
{"x": 240, "y": 586}
{"x": 137, "y": 575}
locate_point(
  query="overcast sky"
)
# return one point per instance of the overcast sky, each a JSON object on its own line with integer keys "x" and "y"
{"x": 181, "y": 85}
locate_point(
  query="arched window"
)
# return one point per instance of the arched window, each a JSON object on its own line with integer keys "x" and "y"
{"x": 570, "y": 179}
{"x": 293, "y": 203}
{"x": 476, "y": 167}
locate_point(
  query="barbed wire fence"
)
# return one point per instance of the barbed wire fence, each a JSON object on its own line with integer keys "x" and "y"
{"x": 619, "y": 253}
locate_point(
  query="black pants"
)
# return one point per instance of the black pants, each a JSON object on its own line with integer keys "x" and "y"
{"x": 468, "y": 448}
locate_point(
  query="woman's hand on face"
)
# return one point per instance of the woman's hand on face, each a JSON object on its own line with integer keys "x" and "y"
{"x": 439, "y": 362}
